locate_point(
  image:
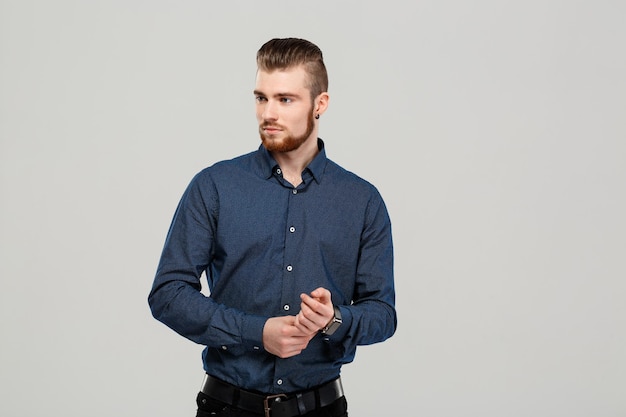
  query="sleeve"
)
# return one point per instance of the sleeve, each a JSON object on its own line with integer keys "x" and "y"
{"x": 371, "y": 317}
{"x": 175, "y": 298}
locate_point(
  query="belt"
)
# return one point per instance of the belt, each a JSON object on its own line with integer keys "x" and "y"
{"x": 276, "y": 405}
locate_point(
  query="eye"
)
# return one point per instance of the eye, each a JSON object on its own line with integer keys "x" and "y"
{"x": 260, "y": 99}
{"x": 286, "y": 100}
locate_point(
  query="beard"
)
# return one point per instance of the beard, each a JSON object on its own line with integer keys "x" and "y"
{"x": 289, "y": 142}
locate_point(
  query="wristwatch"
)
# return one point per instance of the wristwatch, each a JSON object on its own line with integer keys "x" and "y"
{"x": 334, "y": 324}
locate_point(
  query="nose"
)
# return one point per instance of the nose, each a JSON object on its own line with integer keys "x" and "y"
{"x": 269, "y": 111}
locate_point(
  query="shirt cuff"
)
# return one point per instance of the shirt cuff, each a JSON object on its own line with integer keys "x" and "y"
{"x": 252, "y": 332}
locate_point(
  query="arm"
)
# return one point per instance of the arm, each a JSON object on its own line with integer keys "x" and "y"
{"x": 371, "y": 316}
{"x": 175, "y": 298}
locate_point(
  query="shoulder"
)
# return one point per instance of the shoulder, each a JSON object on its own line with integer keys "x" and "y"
{"x": 340, "y": 176}
{"x": 207, "y": 185}
{"x": 356, "y": 195}
{"x": 226, "y": 169}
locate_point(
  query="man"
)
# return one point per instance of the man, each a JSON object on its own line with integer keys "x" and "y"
{"x": 297, "y": 253}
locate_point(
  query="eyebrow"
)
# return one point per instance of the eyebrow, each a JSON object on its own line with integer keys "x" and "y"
{"x": 277, "y": 95}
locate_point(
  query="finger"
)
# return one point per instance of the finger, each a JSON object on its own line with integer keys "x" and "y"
{"x": 294, "y": 346}
{"x": 311, "y": 327}
{"x": 311, "y": 303}
{"x": 321, "y": 294}
{"x": 313, "y": 306}
{"x": 305, "y": 325}
{"x": 314, "y": 312}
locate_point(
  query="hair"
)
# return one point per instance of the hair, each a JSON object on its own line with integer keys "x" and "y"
{"x": 281, "y": 54}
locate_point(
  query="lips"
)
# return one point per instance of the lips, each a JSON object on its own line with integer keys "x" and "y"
{"x": 271, "y": 129}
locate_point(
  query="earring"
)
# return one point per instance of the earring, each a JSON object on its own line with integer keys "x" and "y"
{"x": 317, "y": 116}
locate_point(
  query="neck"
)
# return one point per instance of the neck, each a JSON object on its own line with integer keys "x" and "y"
{"x": 293, "y": 163}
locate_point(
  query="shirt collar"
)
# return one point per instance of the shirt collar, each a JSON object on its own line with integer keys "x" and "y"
{"x": 267, "y": 164}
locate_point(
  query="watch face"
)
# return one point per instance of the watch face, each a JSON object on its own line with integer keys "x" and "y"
{"x": 334, "y": 324}
{"x": 332, "y": 328}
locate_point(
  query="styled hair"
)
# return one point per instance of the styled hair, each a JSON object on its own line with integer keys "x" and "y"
{"x": 282, "y": 54}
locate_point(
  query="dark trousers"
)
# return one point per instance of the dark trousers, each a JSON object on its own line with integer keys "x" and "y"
{"x": 208, "y": 407}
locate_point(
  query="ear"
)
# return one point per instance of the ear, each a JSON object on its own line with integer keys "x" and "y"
{"x": 321, "y": 103}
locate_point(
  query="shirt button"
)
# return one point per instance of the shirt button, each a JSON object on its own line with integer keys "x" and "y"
{"x": 286, "y": 307}
{"x": 224, "y": 348}
{"x": 279, "y": 382}
{"x": 278, "y": 171}
{"x": 289, "y": 268}
{"x": 256, "y": 348}
{"x": 292, "y": 229}
{"x": 294, "y": 191}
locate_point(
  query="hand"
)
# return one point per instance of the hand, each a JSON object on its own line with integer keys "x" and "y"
{"x": 316, "y": 311}
{"x": 282, "y": 338}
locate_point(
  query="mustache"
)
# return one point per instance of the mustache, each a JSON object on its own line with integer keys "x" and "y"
{"x": 272, "y": 125}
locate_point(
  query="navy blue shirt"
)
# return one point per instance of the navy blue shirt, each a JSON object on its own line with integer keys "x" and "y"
{"x": 261, "y": 243}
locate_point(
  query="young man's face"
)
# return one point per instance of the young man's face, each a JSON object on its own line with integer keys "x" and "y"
{"x": 284, "y": 109}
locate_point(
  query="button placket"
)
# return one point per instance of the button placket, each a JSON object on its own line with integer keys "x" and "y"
{"x": 293, "y": 276}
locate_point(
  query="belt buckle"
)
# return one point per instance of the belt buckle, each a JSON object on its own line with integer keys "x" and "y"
{"x": 266, "y": 402}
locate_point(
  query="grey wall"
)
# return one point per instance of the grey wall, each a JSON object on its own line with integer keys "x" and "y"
{"x": 495, "y": 131}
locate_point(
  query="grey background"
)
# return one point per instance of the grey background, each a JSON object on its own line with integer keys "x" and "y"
{"x": 495, "y": 131}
